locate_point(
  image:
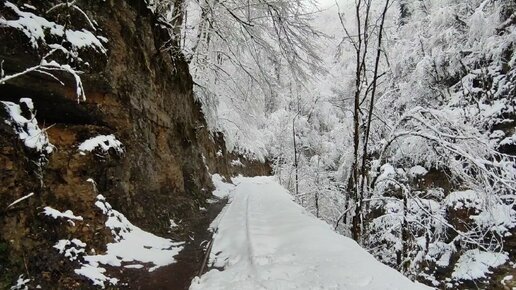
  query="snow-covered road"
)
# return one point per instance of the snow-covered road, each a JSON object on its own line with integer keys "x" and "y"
{"x": 266, "y": 241}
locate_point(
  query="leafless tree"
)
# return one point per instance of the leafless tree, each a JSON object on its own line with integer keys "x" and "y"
{"x": 367, "y": 29}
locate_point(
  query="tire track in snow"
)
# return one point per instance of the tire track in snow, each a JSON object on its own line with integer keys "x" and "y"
{"x": 266, "y": 241}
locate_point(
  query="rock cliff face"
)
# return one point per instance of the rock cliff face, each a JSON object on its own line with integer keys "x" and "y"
{"x": 135, "y": 91}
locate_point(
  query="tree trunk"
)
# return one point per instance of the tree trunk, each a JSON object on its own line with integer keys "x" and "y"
{"x": 295, "y": 157}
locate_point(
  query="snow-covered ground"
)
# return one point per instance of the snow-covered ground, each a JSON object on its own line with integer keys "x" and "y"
{"x": 131, "y": 248}
{"x": 263, "y": 240}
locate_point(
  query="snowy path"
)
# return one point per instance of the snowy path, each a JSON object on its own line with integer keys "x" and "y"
{"x": 266, "y": 241}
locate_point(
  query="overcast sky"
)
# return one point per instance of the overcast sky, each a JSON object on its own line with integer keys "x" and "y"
{"x": 326, "y": 3}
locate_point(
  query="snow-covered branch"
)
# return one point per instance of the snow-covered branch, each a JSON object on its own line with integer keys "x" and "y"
{"x": 49, "y": 68}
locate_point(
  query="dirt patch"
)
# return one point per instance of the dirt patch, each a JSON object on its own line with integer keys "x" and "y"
{"x": 179, "y": 275}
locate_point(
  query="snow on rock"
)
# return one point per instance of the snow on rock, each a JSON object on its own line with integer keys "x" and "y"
{"x": 21, "y": 283}
{"x": 463, "y": 199}
{"x": 131, "y": 247}
{"x": 71, "y": 249}
{"x": 173, "y": 224}
{"x": 31, "y": 25}
{"x": 386, "y": 179}
{"x": 417, "y": 171}
{"x": 96, "y": 275}
{"x": 237, "y": 163}
{"x": 132, "y": 244}
{"x": 102, "y": 142}
{"x": 475, "y": 264}
{"x": 263, "y": 240}
{"x": 222, "y": 189}
{"x": 27, "y": 126}
{"x": 500, "y": 218}
{"x": 48, "y": 211}
{"x": 137, "y": 266}
{"x": 36, "y": 28}
{"x": 387, "y": 171}
{"x": 511, "y": 140}
{"x": 507, "y": 279}
{"x": 83, "y": 39}
{"x": 441, "y": 252}
{"x": 497, "y": 134}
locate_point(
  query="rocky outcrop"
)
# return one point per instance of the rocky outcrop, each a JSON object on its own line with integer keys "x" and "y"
{"x": 135, "y": 91}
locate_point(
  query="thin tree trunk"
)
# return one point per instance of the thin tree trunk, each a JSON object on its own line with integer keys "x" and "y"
{"x": 295, "y": 156}
{"x": 404, "y": 235}
{"x": 356, "y": 124}
{"x": 317, "y": 189}
{"x": 374, "y": 86}
{"x": 365, "y": 156}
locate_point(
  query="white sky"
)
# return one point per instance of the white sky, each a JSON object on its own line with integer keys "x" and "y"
{"x": 326, "y": 3}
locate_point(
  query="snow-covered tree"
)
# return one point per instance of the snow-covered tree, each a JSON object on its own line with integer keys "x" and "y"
{"x": 244, "y": 57}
